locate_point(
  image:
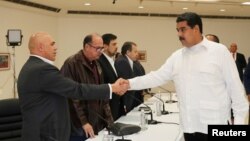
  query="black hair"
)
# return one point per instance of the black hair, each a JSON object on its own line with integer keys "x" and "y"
{"x": 108, "y": 37}
{"x": 192, "y": 20}
{"x": 127, "y": 46}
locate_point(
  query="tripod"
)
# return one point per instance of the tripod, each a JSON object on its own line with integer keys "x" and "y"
{"x": 14, "y": 72}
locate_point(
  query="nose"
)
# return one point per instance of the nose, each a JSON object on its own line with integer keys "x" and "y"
{"x": 179, "y": 33}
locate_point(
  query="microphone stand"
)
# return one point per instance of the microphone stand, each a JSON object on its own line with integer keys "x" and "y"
{"x": 170, "y": 93}
{"x": 151, "y": 121}
{"x": 163, "y": 112}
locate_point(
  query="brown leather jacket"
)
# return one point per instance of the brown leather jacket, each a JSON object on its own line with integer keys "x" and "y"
{"x": 78, "y": 68}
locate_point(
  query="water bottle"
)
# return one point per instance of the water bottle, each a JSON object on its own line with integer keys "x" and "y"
{"x": 158, "y": 108}
{"x": 144, "y": 121}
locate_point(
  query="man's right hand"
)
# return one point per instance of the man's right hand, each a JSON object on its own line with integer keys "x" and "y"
{"x": 89, "y": 132}
{"x": 120, "y": 86}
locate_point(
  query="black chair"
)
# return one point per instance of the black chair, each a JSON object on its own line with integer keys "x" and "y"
{"x": 10, "y": 120}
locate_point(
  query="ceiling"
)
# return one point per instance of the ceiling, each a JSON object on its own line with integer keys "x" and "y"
{"x": 233, "y": 8}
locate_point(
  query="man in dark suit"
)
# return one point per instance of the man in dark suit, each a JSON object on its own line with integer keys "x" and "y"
{"x": 246, "y": 81}
{"x": 43, "y": 90}
{"x": 124, "y": 68}
{"x": 138, "y": 71}
{"x": 106, "y": 61}
{"x": 239, "y": 59}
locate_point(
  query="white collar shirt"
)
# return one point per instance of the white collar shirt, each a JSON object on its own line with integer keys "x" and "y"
{"x": 130, "y": 62}
{"x": 111, "y": 61}
{"x": 206, "y": 80}
{"x": 234, "y": 55}
{"x": 44, "y": 59}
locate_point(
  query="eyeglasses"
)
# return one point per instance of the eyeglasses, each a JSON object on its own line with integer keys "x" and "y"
{"x": 98, "y": 49}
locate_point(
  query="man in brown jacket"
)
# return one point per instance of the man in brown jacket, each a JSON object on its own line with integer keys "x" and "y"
{"x": 83, "y": 67}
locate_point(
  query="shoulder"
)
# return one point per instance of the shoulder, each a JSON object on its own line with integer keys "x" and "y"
{"x": 102, "y": 59}
{"x": 121, "y": 58}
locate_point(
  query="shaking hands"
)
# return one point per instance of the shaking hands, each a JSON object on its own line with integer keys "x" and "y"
{"x": 120, "y": 86}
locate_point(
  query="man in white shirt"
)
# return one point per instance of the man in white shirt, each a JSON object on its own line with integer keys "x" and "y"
{"x": 205, "y": 78}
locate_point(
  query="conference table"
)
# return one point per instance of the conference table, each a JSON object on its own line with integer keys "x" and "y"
{"x": 169, "y": 130}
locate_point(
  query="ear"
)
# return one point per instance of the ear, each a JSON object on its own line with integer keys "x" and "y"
{"x": 128, "y": 52}
{"x": 196, "y": 28}
{"x": 40, "y": 47}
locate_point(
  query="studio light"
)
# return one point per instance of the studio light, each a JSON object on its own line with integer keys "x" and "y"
{"x": 14, "y": 37}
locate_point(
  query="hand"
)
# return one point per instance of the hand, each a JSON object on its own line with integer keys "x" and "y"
{"x": 120, "y": 86}
{"x": 89, "y": 132}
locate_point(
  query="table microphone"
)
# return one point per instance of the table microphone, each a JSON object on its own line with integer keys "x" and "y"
{"x": 170, "y": 100}
{"x": 151, "y": 121}
{"x": 163, "y": 112}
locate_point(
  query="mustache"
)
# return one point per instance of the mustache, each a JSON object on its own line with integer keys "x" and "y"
{"x": 181, "y": 38}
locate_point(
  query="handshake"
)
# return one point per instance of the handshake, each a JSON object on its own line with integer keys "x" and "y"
{"x": 120, "y": 86}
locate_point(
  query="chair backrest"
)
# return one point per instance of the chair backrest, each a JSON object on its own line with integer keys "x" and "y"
{"x": 10, "y": 120}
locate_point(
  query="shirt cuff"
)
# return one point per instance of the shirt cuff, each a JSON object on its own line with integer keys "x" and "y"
{"x": 110, "y": 91}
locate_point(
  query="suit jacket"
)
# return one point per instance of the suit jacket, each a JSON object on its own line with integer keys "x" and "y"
{"x": 78, "y": 68}
{"x": 241, "y": 64}
{"x": 110, "y": 76}
{"x": 125, "y": 71}
{"x": 42, "y": 92}
{"x": 247, "y": 78}
{"x": 138, "y": 71}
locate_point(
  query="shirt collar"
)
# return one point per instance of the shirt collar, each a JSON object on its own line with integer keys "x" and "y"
{"x": 110, "y": 59}
{"x": 130, "y": 62}
{"x": 203, "y": 44}
{"x": 44, "y": 59}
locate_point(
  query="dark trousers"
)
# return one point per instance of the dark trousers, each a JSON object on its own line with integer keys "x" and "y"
{"x": 77, "y": 134}
{"x": 195, "y": 136}
{"x": 249, "y": 117}
{"x": 77, "y": 138}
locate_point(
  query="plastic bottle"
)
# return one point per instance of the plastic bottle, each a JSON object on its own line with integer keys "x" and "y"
{"x": 158, "y": 108}
{"x": 144, "y": 121}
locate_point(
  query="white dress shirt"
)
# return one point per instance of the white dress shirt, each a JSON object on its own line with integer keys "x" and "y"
{"x": 234, "y": 55}
{"x": 206, "y": 80}
{"x": 111, "y": 61}
{"x": 44, "y": 59}
{"x": 131, "y": 63}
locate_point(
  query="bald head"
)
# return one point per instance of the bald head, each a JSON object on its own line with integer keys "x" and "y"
{"x": 233, "y": 47}
{"x": 42, "y": 44}
{"x": 93, "y": 46}
{"x": 213, "y": 38}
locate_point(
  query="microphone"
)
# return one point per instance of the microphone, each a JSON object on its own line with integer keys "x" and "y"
{"x": 119, "y": 129}
{"x": 163, "y": 112}
{"x": 151, "y": 121}
{"x": 170, "y": 93}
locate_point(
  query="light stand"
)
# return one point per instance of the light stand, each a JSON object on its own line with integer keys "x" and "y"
{"x": 13, "y": 39}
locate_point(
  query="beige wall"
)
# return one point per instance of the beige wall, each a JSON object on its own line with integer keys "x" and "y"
{"x": 155, "y": 35}
{"x": 28, "y": 22}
